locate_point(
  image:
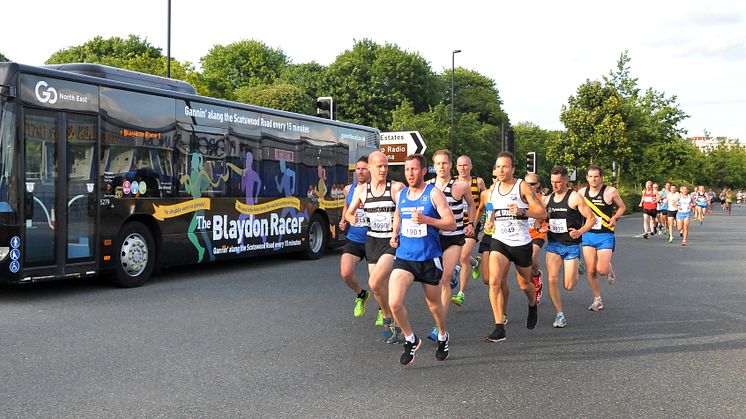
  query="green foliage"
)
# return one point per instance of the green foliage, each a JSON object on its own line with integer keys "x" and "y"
{"x": 281, "y": 95}
{"x": 369, "y": 81}
{"x": 3, "y": 57}
{"x": 309, "y": 77}
{"x": 631, "y": 198}
{"x": 531, "y": 137}
{"x": 245, "y": 63}
{"x": 474, "y": 93}
{"x": 112, "y": 51}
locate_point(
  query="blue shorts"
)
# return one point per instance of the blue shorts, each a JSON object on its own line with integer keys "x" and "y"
{"x": 683, "y": 215}
{"x": 567, "y": 251}
{"x": 599, "y": 240}
{"x": 702, "y": 204}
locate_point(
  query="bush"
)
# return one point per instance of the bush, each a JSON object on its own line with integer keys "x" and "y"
{"x": 631, "y": 199}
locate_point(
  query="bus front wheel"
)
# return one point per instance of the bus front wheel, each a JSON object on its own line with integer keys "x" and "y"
{"x": 135, "y": 258}
{"x": 316, "y": 238}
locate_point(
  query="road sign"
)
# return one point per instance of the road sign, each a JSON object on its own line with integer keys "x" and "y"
{"x": 399, "y": 144}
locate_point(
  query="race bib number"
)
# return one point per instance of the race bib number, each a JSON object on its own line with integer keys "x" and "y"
{"x": 597, "y": 225}
{"x": 558, "y": 225}
{"x": 410, "y": 229}
{"x": 507, "y": 228}
{"x": 380, "y": 222}
{"x": 362, "y": 220}
{"x": 647, "y": 199}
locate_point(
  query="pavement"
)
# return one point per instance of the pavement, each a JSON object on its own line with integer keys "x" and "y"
{"x": 275, "y": 337}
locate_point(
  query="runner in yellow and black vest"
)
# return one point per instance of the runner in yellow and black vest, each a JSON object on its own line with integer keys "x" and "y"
{"x": 469, "y": 264}
{"x": 598, "y": 243}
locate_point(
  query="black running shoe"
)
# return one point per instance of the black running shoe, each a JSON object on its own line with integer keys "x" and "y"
{"x": 497, "y": 335}
{"x": 409, "y": 349}
{"x": 533, "y": 316}
{"x": 645, "y": 236}
{"x": 441, "y": 354}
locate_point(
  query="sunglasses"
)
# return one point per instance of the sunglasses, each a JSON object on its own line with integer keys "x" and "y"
{"x": 494, "y": 177}
{"x": 533, "y": 183}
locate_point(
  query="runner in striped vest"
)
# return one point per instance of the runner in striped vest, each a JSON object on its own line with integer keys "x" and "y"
{"x": 598, "y": 243}
{"x": 469, "y": 265}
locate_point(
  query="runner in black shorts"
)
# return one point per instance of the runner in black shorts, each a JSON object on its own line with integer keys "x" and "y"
{"x": 469, "y": 265}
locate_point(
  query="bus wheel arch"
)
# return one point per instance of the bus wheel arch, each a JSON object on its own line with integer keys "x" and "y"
{"x": 316, "y": 238}
{"x": 136, "y": 253}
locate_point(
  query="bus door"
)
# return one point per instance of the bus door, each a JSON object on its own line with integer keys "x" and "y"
{"x": 59, "y": 193}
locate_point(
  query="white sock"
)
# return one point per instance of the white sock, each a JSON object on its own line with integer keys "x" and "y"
{"x": 560, "y": 314}
{"x": 442, "y": 338}
{"x": 597, "y": 298}
{"x": 410, "y": 338}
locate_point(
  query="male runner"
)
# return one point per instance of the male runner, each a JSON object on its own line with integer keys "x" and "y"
{"x": 353, "y": 250}
{"x": 648, "y": 205}
{"x": 728, "y": 199}
{"x": 710, "y": 200}
{"x": 378, "y": 199}
{"x": 456, "y": 193}
{"x": 469, "y": 265}
{"x": 599, "y": 242}
{"x": 538, "y": 231}
{"x": 566, "y": 209}
{"x": 422, "y": 210}
{"x": 700, "y": 199}
{"x": 513, "y": 202}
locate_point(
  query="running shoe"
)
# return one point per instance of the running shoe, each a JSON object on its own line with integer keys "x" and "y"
{"x": 497, "y": 335}
{"x": 455, "y": 277}
{"x": 360, "y": 303}
{"x": 559, "y": 321}
{"x": 533, "y": 316}
{"x": 475, "y": 268}
{"x": 379, "y": 318}
{"x": 396, "y": 337}
{"x": 433, "y": 336}
{"x": 670, "y": 238}
{"x": 388, "y": 330}
{"x": 538, "y": 284}
{"x": 409, "y": 349}
{"x": 597, "y": 305}
{"x": 611, "y": 277}
{"x": 645, "y": 236}
{"x": 505, "y": 319}
{"x": 458, "y": 299}
{"x": 581, "y": 267}
{"x": 441, "y": 354}
{"x": 681, "y": 234}
{"x": 683, "y": 242}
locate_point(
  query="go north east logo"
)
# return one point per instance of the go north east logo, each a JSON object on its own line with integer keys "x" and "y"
{"x": 45, "y": 94}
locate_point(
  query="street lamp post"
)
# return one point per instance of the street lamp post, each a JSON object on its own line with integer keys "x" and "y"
{"x": 168, "y": 43}
{"x": 453, "y": 101}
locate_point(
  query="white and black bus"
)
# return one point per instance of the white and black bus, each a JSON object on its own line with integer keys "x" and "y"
{"x": 103, "y": 169}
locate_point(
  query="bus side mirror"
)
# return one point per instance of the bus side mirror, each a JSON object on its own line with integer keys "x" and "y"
{"x": 28, "y": 205}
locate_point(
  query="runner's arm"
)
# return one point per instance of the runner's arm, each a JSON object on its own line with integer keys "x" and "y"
{"x": 446, "y": 222}
{"x": 586, "y": 211}
{"x": 394, "y": 241}
{"x": 617, "y": 201}
{"x": 535, "y": 207}
{"x": 350, "y": 214}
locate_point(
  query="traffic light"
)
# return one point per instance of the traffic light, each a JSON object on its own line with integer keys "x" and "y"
{"x": 509, "y": 143}
{"x": 531, "y": 162}
{"x": 325, "y": 107}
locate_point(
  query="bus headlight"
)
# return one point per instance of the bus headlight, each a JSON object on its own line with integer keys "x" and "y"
{"x": 4, "y": 253}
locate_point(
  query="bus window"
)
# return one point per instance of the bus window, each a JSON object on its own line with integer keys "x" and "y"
{"x": 8, "y": 195}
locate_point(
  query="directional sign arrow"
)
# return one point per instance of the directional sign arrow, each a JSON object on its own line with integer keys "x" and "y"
{"x": 399, "y": 144}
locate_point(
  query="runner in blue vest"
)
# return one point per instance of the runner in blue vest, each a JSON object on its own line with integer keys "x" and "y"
{"x": 353, "y": 250}
{"x": 422, "y": 210}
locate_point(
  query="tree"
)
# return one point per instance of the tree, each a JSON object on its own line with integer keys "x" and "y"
{"x": 475, "y": 93}
{"x": 111, "y": 51}
{"x": 281, "y": 95}
{"x": 369, "y": 81}
{"x": 531, "y": 137}
{"x": 309, "y": 77}
{"x": 3, "y": 57}
{"x": 245, "y": 63}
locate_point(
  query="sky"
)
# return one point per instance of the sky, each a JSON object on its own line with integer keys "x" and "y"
{"x": 537, "y": 52}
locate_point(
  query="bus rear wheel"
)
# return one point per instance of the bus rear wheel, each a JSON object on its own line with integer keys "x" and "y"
{"x": 316, "y": 238}
{"x": 135, "y": 258}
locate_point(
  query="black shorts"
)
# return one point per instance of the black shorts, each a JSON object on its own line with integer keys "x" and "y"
{"x": 520, "y": 255}
{"x": 448, "y": 241}
{"x": 427, "y": 271}
{"x": 354, "y": 248}
{"x": 477, "y": 229}
{"x": 650, "y": 212}
{"x": 376, "y": 247}
{"x": 672, "y": 213}
{"x": 539, "y": 242}
{"x": 485, "y": 244}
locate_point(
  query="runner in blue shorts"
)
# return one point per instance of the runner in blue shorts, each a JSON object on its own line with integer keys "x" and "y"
{"x": 600, "y": 241}
{"x": 569, "y": 218}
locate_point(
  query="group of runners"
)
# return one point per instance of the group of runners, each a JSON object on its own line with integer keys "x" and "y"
{"x": 426, "y": 231}
{"x": 664, "y": 210}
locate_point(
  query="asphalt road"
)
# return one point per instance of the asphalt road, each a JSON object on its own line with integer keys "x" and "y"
{"x": 275, "y": 337}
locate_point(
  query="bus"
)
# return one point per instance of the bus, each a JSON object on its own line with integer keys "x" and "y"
{"x": 108, "y": 170}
